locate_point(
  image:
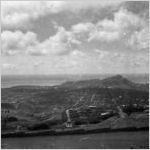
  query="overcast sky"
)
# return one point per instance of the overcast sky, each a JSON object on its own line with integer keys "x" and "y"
{"x": 60, "y": 37}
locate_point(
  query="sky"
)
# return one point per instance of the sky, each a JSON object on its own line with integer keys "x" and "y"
{"x": 76, "y": 37}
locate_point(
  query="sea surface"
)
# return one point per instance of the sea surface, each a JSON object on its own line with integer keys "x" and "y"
{"x": 20, "y": 80}
{"x": 50, "y": 80}
{"x": 118, "y": 140}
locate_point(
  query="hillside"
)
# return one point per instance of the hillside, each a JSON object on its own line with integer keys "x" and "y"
{"x": 33, "y": 99}
{"x": 41, "y": 107}
{"x": 117, "y": 81}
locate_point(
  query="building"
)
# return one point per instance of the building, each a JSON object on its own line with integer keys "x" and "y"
{"x": 69, "y": 124}
{"x": 69, "y": 121}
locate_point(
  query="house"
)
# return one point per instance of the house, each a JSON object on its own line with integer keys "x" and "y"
{"x": 69, "y": 121}
{"x": 68, "y": 124}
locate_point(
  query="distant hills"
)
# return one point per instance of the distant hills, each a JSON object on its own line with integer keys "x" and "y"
{"x": 117, "y": 81}
{"x": 49, "y": 80}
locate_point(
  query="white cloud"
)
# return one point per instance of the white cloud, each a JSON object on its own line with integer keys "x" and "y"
{"x": 102, "y": 31}
{"x": 82, "y": 27}
{"x": 104, "y": 36}
{"x": 7, "y": 66}
{"x": 60, "y": 43}
{"x": 124, "y": 19}
{"x": 18, "y": 15}
{"x": 126, "y": 28}
{"x": 17, "y": 42}
{"x": 140, "y": 39}
{"x": 86, "y": 47}
{"x": 21, "y": 14}
{"x": 122, "y": 25}
{"x": 121, "y": 28}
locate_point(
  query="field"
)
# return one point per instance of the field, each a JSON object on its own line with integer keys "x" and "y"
{"x": 117, "y": 140}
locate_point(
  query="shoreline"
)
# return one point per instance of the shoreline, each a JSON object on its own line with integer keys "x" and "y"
{"x": 72, "y": 131}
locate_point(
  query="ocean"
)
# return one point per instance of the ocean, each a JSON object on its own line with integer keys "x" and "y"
{"x": 19, "y": 80}
{"x": 50, "y": 80}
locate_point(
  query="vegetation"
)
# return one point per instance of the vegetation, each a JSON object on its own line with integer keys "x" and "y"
{"x": 46, "y": 105}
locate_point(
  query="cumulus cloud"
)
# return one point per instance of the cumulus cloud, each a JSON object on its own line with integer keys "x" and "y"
{"x": 57, "y": 44}
{"x": 85, "y": 38}
{"x": 20, "y": 15}
{"x": 27, "y": 43}
{"x": 17, "y": 42}
{"x": 140, "y": 39}
{"x": 60, "y": 43}
{"x": 82, "y": 27}
{"x": 122, "y": 25}
{"x": 125, "y": 28}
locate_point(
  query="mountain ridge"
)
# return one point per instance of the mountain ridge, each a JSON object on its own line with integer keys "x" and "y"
{"x": 116, "y": 81}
